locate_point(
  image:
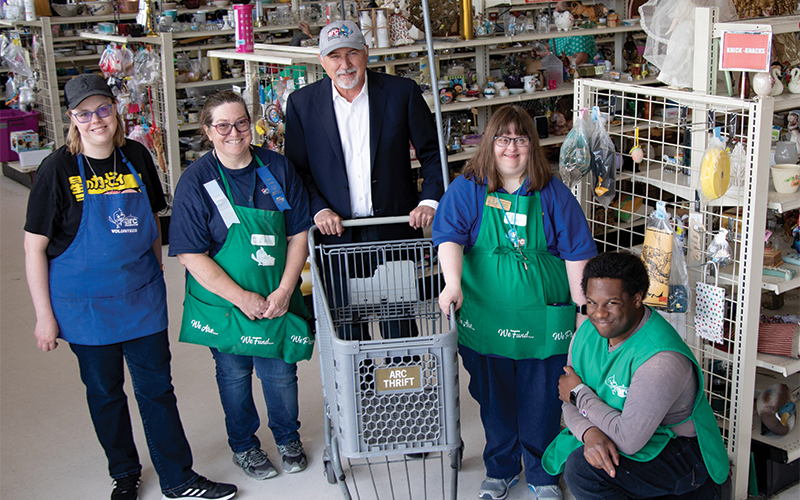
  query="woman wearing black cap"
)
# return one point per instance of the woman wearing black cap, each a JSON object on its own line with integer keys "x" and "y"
{"x": 93, "y": 263}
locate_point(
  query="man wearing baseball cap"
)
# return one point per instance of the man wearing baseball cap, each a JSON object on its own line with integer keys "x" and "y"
{"x": 348, "y": 137}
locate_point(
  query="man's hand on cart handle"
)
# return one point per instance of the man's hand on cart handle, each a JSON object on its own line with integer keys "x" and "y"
{"x": 328, "y": 222}
{"x": 450, "y": 295}
{"x": 421, "y": 217}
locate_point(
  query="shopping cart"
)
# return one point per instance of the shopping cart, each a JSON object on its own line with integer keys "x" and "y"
{"x": 391, "y": 401}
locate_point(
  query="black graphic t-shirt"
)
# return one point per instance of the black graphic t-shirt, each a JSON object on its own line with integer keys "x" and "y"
{"x": 55, "y": 204}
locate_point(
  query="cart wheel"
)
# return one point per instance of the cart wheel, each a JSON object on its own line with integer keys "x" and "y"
{"x": 329, "y": 472}
{"x": 456, "y": 456}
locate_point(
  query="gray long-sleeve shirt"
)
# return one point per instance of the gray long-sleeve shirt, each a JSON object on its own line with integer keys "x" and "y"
{"x": 662, "y": 391}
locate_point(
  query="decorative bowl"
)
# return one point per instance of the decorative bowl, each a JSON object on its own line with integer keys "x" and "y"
{"x": 98, "y": 8}
{"x": 516, "y": 91}
{"x": 66, "y": 9}
{"x": 220, "y": 3}
{"x": 786, "y": 178}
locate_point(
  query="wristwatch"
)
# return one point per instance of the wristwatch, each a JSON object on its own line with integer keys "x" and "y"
{"x": 581, "y": 309}
{"x": 573, "y": 394}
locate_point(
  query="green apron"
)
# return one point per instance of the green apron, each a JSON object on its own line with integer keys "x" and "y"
{"x": 609, "y": 374}
{"x": 507, "y": 287}
{"x": 254, "y": 256}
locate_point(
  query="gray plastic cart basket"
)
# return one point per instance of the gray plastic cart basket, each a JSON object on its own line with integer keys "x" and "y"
{"x": 391, "y": 404}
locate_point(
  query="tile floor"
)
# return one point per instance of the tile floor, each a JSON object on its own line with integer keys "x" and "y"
{"x": 47, "y": 445}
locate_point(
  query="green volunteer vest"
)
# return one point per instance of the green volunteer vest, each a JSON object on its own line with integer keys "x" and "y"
{"x": 609, "y": 374}
{"x": 254, "y": 256}
{"x": 507, "y": 290}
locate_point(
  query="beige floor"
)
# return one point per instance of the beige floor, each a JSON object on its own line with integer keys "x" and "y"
{"x": 47, "y": 446}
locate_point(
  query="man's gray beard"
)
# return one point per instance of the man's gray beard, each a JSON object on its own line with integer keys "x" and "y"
{"x": 339, "y": 82}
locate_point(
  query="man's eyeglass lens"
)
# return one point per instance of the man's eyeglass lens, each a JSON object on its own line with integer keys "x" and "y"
{"x": 226, "y": 128}
{"x": 504, "y": 141}
{"x": 86, "y": 116}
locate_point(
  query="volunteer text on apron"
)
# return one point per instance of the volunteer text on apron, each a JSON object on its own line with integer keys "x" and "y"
{"x": 107, "y": 286}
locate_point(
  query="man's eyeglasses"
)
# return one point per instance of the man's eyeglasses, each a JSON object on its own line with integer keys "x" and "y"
{"x": 223, "y": 129}
{"x": 86, "y": 116}
{"x": 503, "y": 141}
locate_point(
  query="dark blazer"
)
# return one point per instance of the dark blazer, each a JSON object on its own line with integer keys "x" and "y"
{"x": 398, "y": 114}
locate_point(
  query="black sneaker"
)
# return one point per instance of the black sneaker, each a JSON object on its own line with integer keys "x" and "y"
{"x": 203, "y": 488}
{"x": 254, "y": 463}
{"x": 126, "y": 488}
{"x": 293, "y": 457}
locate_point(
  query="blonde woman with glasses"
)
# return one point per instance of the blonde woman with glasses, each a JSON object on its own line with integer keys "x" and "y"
{"x": 93, "y": 262}
{"x": 512, "y": 243}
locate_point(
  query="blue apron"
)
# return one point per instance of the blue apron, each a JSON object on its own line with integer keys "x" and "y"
{"x": 107, "y": 286}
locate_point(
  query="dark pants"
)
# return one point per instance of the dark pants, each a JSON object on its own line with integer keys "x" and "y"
{"x": 354, "y": 327}
{"x": 520, "y": 411}
{"x": 677, "y": 472}
{"x": 102, "y": 373}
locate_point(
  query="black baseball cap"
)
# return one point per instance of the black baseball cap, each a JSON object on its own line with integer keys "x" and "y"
{"x": 83, "y": 86}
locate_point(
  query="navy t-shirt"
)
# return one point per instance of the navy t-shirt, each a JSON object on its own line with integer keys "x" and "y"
{"x": 458, "y": 218}
{"x": 196, "y": 225}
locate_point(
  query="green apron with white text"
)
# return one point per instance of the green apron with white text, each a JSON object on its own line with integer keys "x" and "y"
{"x": 509, "y": 290}
{"x": 254, "y": 256}
{"x": 609, "y": 374}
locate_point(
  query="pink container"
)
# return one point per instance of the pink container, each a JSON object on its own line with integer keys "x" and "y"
{"x": 244, "y": 27}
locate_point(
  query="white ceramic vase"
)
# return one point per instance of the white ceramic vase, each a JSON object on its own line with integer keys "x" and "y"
{"x": 777, "y": 86}
{"x": 794, "y": 85}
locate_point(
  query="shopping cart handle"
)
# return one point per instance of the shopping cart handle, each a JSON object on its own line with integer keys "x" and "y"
{"x": 375, "y": 221}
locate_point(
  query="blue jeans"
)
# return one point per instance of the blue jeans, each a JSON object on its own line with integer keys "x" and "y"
{"x": 677, "y": 472}
{"x": 103, "y": 375}
{"x": 235, "y": 382}
{"x": 520, "y": 411}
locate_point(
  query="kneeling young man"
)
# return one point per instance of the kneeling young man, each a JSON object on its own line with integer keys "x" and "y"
{"x": 639, "y": 424}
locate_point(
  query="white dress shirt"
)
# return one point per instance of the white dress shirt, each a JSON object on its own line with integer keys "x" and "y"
{"x": 352, "y": 119}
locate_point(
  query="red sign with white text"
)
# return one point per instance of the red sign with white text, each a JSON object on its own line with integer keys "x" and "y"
{"x": 745, "y": 51}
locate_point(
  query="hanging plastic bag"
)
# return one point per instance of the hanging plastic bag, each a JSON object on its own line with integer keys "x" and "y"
{"x": 575, "y": 160}
{"x": 147, "y": 68}
{"x": 719, "y": 251}
{"x": 14, "y": 57}
{"x": 679, "y": 290}
{"x": 715, "y": 170}
{"x": 657, "y": 256}
{"x": 111, "y": 61}
{"x": 604, "y": 161}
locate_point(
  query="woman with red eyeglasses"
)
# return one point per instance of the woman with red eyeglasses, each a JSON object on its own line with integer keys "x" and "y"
{"x": 93, "y": 263}
{"x": 240, "y": 224}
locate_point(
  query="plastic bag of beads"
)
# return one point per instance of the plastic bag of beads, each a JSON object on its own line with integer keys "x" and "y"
{"x": 604, "y": 161}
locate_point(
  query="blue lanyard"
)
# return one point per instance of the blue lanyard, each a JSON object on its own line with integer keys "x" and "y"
{"x": 513, "y": 233}
{"x": 269, "y": 181}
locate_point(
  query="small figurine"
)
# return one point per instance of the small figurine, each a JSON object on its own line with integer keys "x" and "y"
{"x": 560, "y": 124}
{"x": 592, "y": 12}
{"x": 777, "y": 87}
{"x": 563, "y": 20}
{"x": 629, "y": 50}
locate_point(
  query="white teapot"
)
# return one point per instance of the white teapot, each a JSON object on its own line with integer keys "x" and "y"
{"x": 794, "y": 85}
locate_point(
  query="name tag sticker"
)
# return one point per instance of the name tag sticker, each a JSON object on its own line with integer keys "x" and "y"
{"x": 262, "y": 240}
{"x": 491, "y": 201}
{"x": 518, "y": 219}
{"x": 223, "y": 205}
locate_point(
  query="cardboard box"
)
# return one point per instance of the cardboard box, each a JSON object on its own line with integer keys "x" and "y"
{"x": 33, "y": 158}
{"x": 24, "y": 140}
{"x": 772, "y": 257}
{"x": 630, "y": 204}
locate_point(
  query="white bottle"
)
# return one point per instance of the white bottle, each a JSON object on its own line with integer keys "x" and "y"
{"x": 530, "y": 24}
{"x": 30, "y": 10}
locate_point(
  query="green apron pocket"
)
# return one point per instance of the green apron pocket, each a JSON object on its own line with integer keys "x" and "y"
{"x": 228, "y": 330}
